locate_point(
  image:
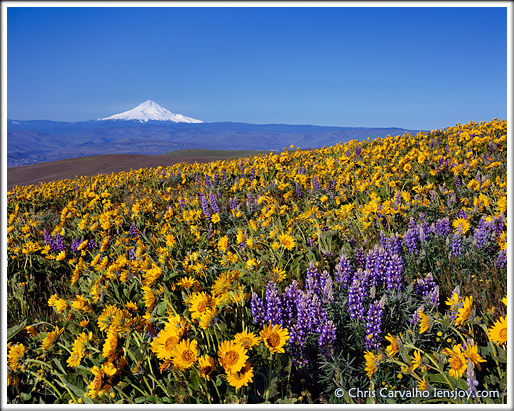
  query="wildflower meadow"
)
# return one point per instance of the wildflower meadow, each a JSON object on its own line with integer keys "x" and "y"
{"x": 367, "y": 272}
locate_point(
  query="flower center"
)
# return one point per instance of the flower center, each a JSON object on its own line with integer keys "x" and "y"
{"x": 456, "y": 363}
{"x": 231, "y": 358}
{"x": 503, "y": 334}
{"x": 273, "y": 340}
{"x": 201, "y": 306}
{"x": 188, "y": 356}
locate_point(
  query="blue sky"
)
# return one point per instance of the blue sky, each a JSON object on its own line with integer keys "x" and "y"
{"x": 411, "y": 67}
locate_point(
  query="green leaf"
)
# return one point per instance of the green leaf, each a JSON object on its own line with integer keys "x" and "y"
{"x": 11, "y": 332}
{"x": 161, "y": 308}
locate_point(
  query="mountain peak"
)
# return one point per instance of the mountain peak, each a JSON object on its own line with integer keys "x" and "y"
{"x": 150, "y": 110}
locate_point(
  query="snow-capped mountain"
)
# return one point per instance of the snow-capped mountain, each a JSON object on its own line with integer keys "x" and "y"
{"x": 149, "y": 110}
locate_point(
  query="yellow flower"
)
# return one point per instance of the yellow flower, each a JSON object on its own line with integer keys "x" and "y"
{"x": 232, "y": 356}
{"x": 277, "y": 275}
{"x": 372, "y": 362}
{"x": 417, "y": 361}
{"x": 14, "y": 356}
{"x": 61, "y": 256}
{"x": 498, "y": 332}
{"x": 453, "y": 301}
{"x": 165, "y": 342}
{"x": 461, "y": 225}
{"x": 111, "y": 342}
{"x": 241, "y": 378}
{"x": 465, "y": 311}
{"x": 246, "y": 340}
{"x": 424, "y": 322}
{"x": 274, "y": 337}
{"x": 184, "y": 354}
{"x": 206, "y": 366}
{"x": 287, "y": 241}
{"x": 223, "y": 243}
{"x": 458, "y": 363}
{"x": 49, "y": 339}
{"x": 200, "y": 302}
{"x": 471, "y": 353}
{"x": 148, "y": 297}
{"x": 422, "y": 384}
{"x": 186, "y": 282}
{"x": 407, "y": 167}
{"x": 31, "y": 330}
{"x": 215, "y": 218}
{"x": 391, "y": 349}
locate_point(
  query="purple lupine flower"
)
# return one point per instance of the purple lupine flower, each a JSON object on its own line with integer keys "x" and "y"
{"x": 312, "y": 279}
{"x": 470, "y": 380}
{"x": 502, "y": 259}
{"x": 315, "y": 183}
{"x": 273, "y": 313}
{"x": 344, "y": 271}
{"x": 326, "y": 284}
{"x": 360, "y": 259}
{"x": 207, "y": 180}
{"x": 373, "y": 325}
{"x": 327, "y": 335}
{"x": 182, "y": 202}
{"x": 214, "y": 204}
{"x": 481, "y": 234}
{"x": 49, "y": 241}
{"x": 434, "y": 296}
{"x": 415, "y": 317}
{"x": 133, "y": 230}
{"x": 358, "y": 152}
{"x": 75, "y": 244}
{"x": 442, "y": 227}
{"x": 410, "y": 238}
{"x": 356, "y": 296}
{"x": 252, "y": 176}
{"x": 498, "y": 225}
{"x": 289, "y": 301}
{"x": 394, "y": 269}
{"x": 457, "y": 181}
{"x": 224, "y": 174}
{"x": 132, "y": 254}
{"x": 298, "y": 190}
{"x": 91, "y": 244}
{"x": 462, "y": 214}
{"x": 425, "y": 287}
{"x": 59, "y": 243}
{"x": 242, "y": 167}
{"x": 258, "y": 310}
{"x": 197, "y": 178}
{"x": 456, "y": 245}
{"x": 205, "y": 206}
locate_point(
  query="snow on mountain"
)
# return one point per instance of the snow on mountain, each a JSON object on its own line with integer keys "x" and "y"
{"x": 150, "y": 110}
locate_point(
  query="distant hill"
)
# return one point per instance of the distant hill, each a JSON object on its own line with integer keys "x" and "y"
{"x": 37, "y": 141}
{"x": 111, "y": 163}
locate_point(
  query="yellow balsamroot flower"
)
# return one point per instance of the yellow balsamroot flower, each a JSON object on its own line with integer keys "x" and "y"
{"x": 165, "y": 342}
{"x": 424, "y": 322}
{"x": 206, "y": 366}
{"x": 465, "y": 311}
{"x": 223, "y": 243}
{"x": 274, "y": 337}
{"x": 184, "y": 354}
{"x": 422, "y": 384}
{"x": 458, "y": 363}
{"x": 148, "y": 297}
{"x": 111, "y": 317}
{"x": 31, "y": 330}
{"x": 186, "y": 282}
{"x": 78, "y": 352}
{"x": 246, "y": 340}
{"x": 407, "y": 167}
{"x": 498, "y": 332}
{"x": 111, "y": 342}
{"x": 287, "y": 241}
{"x": 199, "y": 304}
{"x": 471, "y": 353}
{"x": 417, "y": 361}
{"x": 14, "y": 356}
{"x": 241, "y": 378}
{"x": 50, "y": 338}
{"x": 453, "y": 300}
{"x": 461, "y": 225}
{"x": 215, "y": 218}
{"x": 277, "y": 275}
{"x": 61, "y": 256}
{"x": 393, "y": 348}
{"x": 232, "y": 356}
{"x": 372, "y": 362}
